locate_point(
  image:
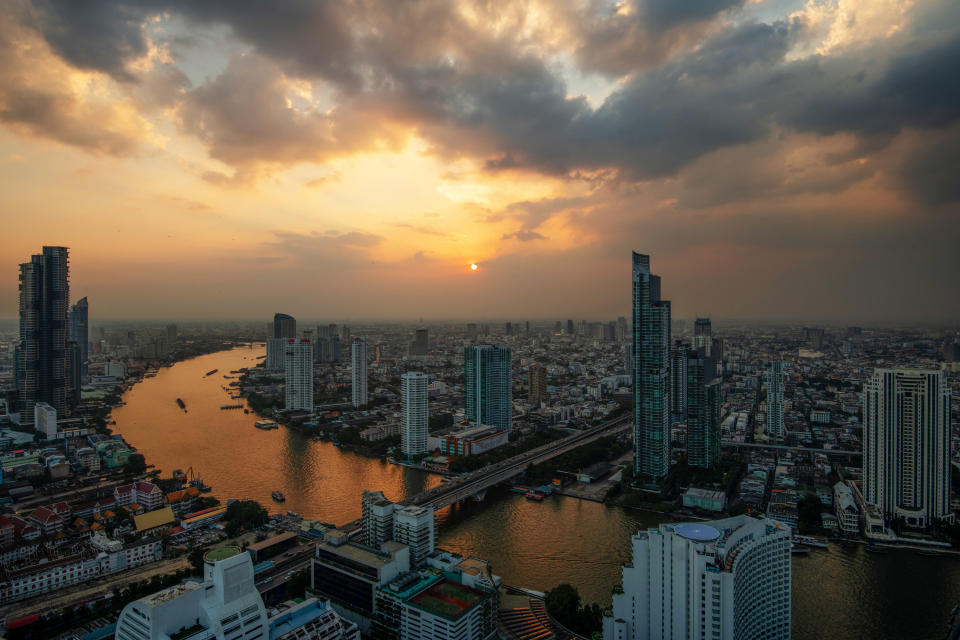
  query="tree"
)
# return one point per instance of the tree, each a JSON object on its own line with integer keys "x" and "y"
{"x": 563, "y": 603}
{"x": 136, "y": 464}
{"x": 244, "y": 514}
{"x": 297, "y": 584}
{"x": 195, "y": 558}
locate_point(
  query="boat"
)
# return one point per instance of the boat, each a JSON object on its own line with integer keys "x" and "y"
{"x": 536, "y": 497}
{"x": 211, "y": 372}
{"x": 278, "y": 496}
{"x": 182, "y": 404}
{"x": 179, "y": 475}
{"x": 809, "y": 541}
{"x": 246, "y": 410}
{"x": 265, "y": 424}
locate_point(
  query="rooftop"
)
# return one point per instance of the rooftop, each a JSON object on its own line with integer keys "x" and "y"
{"x": 216, "y": 555}
{"x": 696, "y": 532}
{"x": 296, "y": 617}
{"x": 171, "y": 593}
{"x": 448, "y": 599}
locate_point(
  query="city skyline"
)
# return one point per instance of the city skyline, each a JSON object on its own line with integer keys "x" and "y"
{"x": 538, "y": 141}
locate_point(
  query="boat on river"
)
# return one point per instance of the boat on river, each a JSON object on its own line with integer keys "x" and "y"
{"x": 212, "y": 371}
{"x": 265, "y": 424}
{"x": 182, "y": 404}
{"x": 278, "y": 496}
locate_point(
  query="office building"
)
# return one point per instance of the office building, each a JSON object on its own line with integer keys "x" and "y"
{"x": 284, "y": 326}
{"x": 274, "y": 360}
{"x": 226, "y": 606}
{"x": 651, "y": 373}
{"x": 703, "y": 410}
{"x": 421, "y": 343}
{"x": 678, "y": 378}
{"x": 414, "y": 424}
{"x": 776, "y": 430}
{"x": 298, "y": 371}
{"x": 42, "y": 359}
{"x": 906, "y": 445}
{"x": 414, "y": 527}
{"x": 75, "y": 365}
{"x": 472, "y": 331}
{"x": 79, "y": 330}
{"x": 569, "y": 327}
{"x": 702, "y": 335}
{"x": 171, "y": 333}
{"x": 526, "y": 328}
{"x": 717, "y": 353}
{"x": 489, "y": 385}
{"x": 349, "y": 574}
{"x": 376, "y": 517}
{"x": 45, "y": 420}
{"x": 538, "y": 385}
{"x": 508, "y": 329}
{"x": 724, "y": 579}
{"x": 358, "y": 371}
{"x": 623, "y": 334}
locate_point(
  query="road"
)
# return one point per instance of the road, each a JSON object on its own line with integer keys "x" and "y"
{"x": 477, "y": 481}
{"x": 783, "y": 447}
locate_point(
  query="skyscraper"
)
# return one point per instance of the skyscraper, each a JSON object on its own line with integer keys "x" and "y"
{"x": 775, "y": 427}
{"x": 298, "y": 370}
{"x": 358, "y": 370}
{"x": 489, "y": 385}
{"x": 721, "y": 580}
{"x": 678, "y": 378}
{"x": 508, "y": 329}
{"x": 79, "y": 330}
{"x": 414, "y": 424}
{"x": 622, "y": 334}
{"x": 906, "y": 445}
{"x": 703, "y": 410}
{"x": 42, "y": 358}
{"x": 651, "y": 373}
{"x": 538, "y": 384}
{"x": 702, "y": 334}
{"x": 421, "y": 343}
{"x": 377, "y": 518}
{"x": 284, "y": 326}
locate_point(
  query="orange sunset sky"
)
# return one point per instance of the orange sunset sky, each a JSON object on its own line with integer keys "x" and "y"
{"x": 351, "y": 160}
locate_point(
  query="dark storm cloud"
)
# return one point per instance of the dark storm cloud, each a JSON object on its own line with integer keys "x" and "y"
{"x": 932, "y": 173}
{"x": 397, "y": 69}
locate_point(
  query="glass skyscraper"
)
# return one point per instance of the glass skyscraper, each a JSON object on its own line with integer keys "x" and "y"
{"x": 42, "y": 358}
{"x": 79, "y": 330}
{"x": 703, "y": 410}
{"x": 489, "y": 385}
{"x": 651, "y": 373}
{"x": 776, "y": 430}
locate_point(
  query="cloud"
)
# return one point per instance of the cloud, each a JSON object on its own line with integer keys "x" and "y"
{"x": 523, "y": 236}
{"x": 333, "y": 248}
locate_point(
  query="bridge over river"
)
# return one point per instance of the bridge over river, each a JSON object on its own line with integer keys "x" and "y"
{"x": 480, "y": 480}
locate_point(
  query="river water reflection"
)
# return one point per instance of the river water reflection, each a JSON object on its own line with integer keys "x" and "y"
{"x": 844, "y": 592}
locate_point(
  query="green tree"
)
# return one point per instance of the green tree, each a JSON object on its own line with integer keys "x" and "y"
{"x": 136, "y": 464}
{"x": 297, "y": 585}
{"x": 195, "y": 557}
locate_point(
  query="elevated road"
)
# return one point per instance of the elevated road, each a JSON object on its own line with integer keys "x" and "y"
{"x": 482, "y": 479}
{"x": 784, "y": 447}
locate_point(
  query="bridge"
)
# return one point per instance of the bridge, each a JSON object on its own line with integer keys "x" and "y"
{"x": 478, "y": 481}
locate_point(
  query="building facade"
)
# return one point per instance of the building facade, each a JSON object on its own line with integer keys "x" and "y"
{"x": 42, "y": 359}
{"x": 80, "y": 330}
{"x": 298, "y": 371}
{"x": 723, "y": 579}
{"x": 703, "y": 410}
{"x": 488, "y": 377}
{"x": 678, "y": 378}
{"x": 538, "y": 385}
{"x": 906, "y": 445}
{"x": 415, "y": 417}
{"x": 414, "y": 527}
{"x": 358, "y": 372}
{"x": 651, "y": 373}
{"x": 776, "y": 430}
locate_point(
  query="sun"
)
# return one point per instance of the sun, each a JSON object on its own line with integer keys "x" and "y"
{"x": 474, "y": 266}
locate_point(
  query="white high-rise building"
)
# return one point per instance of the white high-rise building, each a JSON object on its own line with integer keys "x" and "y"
{"x": 298, "y": 367}
{"x": 725, "y": 579}
{"x": 906, "y": 445}
{"x": 45, "y": 420}
{"x": 226, "y": 606}
{"x": 377, "y": 518}
{"x": 414, "y": 527}
{"x": 774, "y": 379}
{"x": 358, "y": 362}
{"x": 414, "y": 425}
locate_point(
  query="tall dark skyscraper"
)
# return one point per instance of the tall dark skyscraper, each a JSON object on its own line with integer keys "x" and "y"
{"x": 538, "y": 384}
{"x": 651, "y": 373}
{"x": 702, "y": 332}
{"x": 489, "y": 385}
{"x": 284, "y": 326}
{"x": 42, "y": 362}
{"x": 79, "y": 330}
{"x": 703, "y": 410}
{"x": 678, "y": 378}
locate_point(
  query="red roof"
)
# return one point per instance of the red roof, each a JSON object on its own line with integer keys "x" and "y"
{"x": 146, "y": 487}
{"x": 44, "y": 515}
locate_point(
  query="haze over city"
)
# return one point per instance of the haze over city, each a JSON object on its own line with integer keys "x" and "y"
{"x": 782, "y": 160}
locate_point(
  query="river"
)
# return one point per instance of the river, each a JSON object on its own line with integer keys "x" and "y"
{"x": 844, "y": 592}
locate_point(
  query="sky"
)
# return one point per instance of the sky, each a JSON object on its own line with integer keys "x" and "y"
{"x": 794, "y": 160}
